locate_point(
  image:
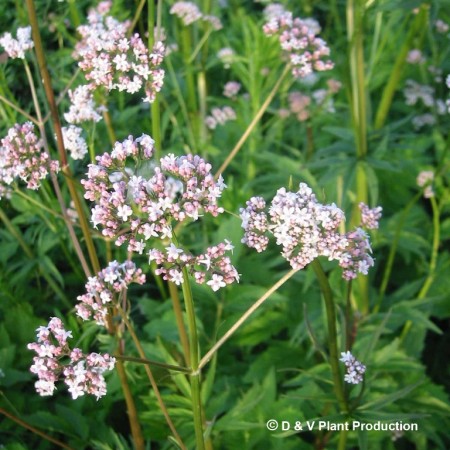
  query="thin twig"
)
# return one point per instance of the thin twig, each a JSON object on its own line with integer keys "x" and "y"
{"x": 244, "y": 317}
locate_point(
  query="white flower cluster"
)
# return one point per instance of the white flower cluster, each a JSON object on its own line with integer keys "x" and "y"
{"x": 355, "y": 370}
{"x": 74, "y": 142}
{"x": 16, "y": 48}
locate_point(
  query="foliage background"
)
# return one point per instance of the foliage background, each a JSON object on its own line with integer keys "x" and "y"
{"x": 274, "y": 366}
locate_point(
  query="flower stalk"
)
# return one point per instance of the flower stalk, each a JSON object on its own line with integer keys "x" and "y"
{"x": 194, "y": 359}
{"x": 332, "y": 335}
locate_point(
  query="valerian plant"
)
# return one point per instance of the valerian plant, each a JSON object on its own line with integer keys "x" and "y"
{"x": 184, "y": 293}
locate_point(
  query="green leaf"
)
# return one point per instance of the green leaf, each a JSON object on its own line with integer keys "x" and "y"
{"x": 391, "y": 398}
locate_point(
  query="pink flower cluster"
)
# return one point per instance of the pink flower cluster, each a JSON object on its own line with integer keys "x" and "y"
{"x": 297, "y": 37}
{"x": 370, "y": 217}
{"x": 305, "y": 229}
{"x": 16, "y": 48}
{"x": 189, "y": 13}
{"x": 231, "y": 89}
{"x": 303, "y": 106}
{"x": 136, "y": 200}
{"x": 355, "y": 370}
{"x": 83, "y": 374}
{"x": 426, "y": 177}
{"x": 22, "y": 155}
{"x": 110, "y": 59}
{"x": 219, "y": 116}
{"x": 83, "y": 107}
{"x": 355, "y": 257}
{"x": 102, "y": 290}
{"x": 212, "y": 265}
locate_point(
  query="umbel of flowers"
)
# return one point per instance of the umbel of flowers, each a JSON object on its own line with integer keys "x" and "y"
{"x": 82, "y": 373}
{"x": 306, "y": 229}
{"x": 138, "y": 199}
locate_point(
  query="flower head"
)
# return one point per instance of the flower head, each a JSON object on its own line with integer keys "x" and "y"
{"x": 297, "y": 37}
{"x": 83, "y": 107}
{"x": 102, "y": 290}
{"x": 355, "y": 370}
{"x": 305, "y": 229}
{"x": 82, "y": 373}
{"x": 112, "y": 60}
{"x": 16, "y": 48}
{"x": 212, "y": 267}
{"x": 137, "y": 198}
{"x": 22, "y": 155}
{"x": 370, "y": 217}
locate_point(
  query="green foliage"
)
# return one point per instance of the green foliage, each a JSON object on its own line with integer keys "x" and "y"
{"x": 277, "y": 364}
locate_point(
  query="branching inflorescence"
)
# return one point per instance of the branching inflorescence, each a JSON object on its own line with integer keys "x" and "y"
{"x": 138, "y": 199}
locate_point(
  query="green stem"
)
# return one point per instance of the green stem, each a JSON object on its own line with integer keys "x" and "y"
{"x": 433, "y": 261}
{"x": 194, "y": 357}
{"x": 332, "y": 334}
{"x": 393, "y": 250}
{"x": 180, "y": 322}
{"x": 155, "y": 107}
{"x": 254, "y": 122}
{"x": 355, "y": 20}
{"x": 109, "y": 127}
{"x": 419, "y": 23}
{"x": 342, "y": 440}
{"x": 186, "y": 40}
{"x": 19, "y": 110}
{"x": 355, "y": 15}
